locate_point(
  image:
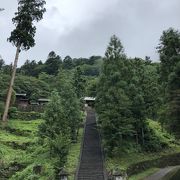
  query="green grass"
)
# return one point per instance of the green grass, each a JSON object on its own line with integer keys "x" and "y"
{"x": 37, "y": 155}
{"x": 144, "y": 174}
{"x": 25, "y": 125}
{"x": 6, "y": 137}
{"x": 34, "y": 155}
{"x": 8, "y": 154}
{"x": 20, "y": 126}
{"x": 18, "y": 131}
{"x": 163, "y": 135}
{"x": 73, "y": 157}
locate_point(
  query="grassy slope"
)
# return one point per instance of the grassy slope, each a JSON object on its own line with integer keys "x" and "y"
{"x": 25, "y": 125}
{"x": 125, "y": 160}
{"x": 6, "y": 137}
{"x": 8, "y": 153}
{"x": 34, "y": 154}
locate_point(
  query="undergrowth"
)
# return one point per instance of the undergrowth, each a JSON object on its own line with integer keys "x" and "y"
{"x": 34, "y": 160}
{"x": 134, "y": 153}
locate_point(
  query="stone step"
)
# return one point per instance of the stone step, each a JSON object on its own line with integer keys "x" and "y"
{"x": 91, "y": 164}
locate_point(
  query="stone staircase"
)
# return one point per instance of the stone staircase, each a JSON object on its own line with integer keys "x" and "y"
{"x": 91, "y": 160}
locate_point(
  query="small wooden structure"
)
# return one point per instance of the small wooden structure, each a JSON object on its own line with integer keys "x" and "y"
{"x": 43, "y": 101}
{"x": 21, "y": 100}
{"x": 90, "y": 101}
{"x": 26, "y": 105}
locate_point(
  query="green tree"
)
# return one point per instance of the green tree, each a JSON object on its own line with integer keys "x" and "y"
{"x": 55, "y": 120}
{"x": 93, "y": 59}
{"x": 70, "y": 102}
{"x": 55, "y": 129}
{"x": 169, "y": 50}
{"x": 7, "y": 69}
{"x": 127, "y": 93}
{"x": 48, "y": 79}
{"x": 90, "y": 70}
{"x": 67, "y": 63}
{"x": 113, "y": 104}
{"x": 28, "y": 68}
{"x": 143, "y": 90}
{"x": 1, "y": 63}
{"x": 92, "y": 87}
{"x": 53, "y": 63}
{"x": 33, "y": 87}
{"x": 174, "y": 101}
{"x": 79, "y": 61}
{"x": 23, "y": 35}
{"x": 79, "y": 83}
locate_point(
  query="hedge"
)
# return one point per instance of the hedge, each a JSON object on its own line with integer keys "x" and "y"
{"x": 25, "y": 115}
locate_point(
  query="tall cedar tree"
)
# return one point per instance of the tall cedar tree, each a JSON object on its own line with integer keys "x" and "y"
{"x": 174, "y": 101}
{"x": 23, "y": 35}
{"x": 169, "y": 50}
{"x": 112, "y": 103}
{"x": 125, "y": 99}
{"x": 70, "y": 103}
{"x": 55, "y": 130}
{"x": 55, "y": 118}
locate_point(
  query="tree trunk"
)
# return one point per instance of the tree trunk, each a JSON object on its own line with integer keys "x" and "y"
{"x": 142, "y": 130}
{"x": 137, "y": 140}
{"x": 8, "y": 99}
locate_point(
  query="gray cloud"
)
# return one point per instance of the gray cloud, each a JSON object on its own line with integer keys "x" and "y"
{"x": 83, "y": 29}
{"x": 139, "y": 24}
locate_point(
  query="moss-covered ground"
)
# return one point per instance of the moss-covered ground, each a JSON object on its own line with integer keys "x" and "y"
{"x": 21, "y": 153}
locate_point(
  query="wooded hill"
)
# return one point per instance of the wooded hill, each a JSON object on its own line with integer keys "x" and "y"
{"x": 133, "y": 97}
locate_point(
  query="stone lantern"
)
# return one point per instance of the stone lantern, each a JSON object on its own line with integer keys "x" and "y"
{"x": 117, "y": 175}
{"x": 63, "y": 175}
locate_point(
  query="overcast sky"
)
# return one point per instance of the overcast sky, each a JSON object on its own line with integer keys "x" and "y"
{"x": 82, "y": 28}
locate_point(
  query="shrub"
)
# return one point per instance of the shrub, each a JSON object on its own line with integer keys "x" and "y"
{"x": 1, "y": 108}
{"x": 4, "y": 95}
{"x": 60, "y": 148}
{"x": 12, "y": 110}
{"x": 155, "y": 138}
{"x": 26, "y": 115}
